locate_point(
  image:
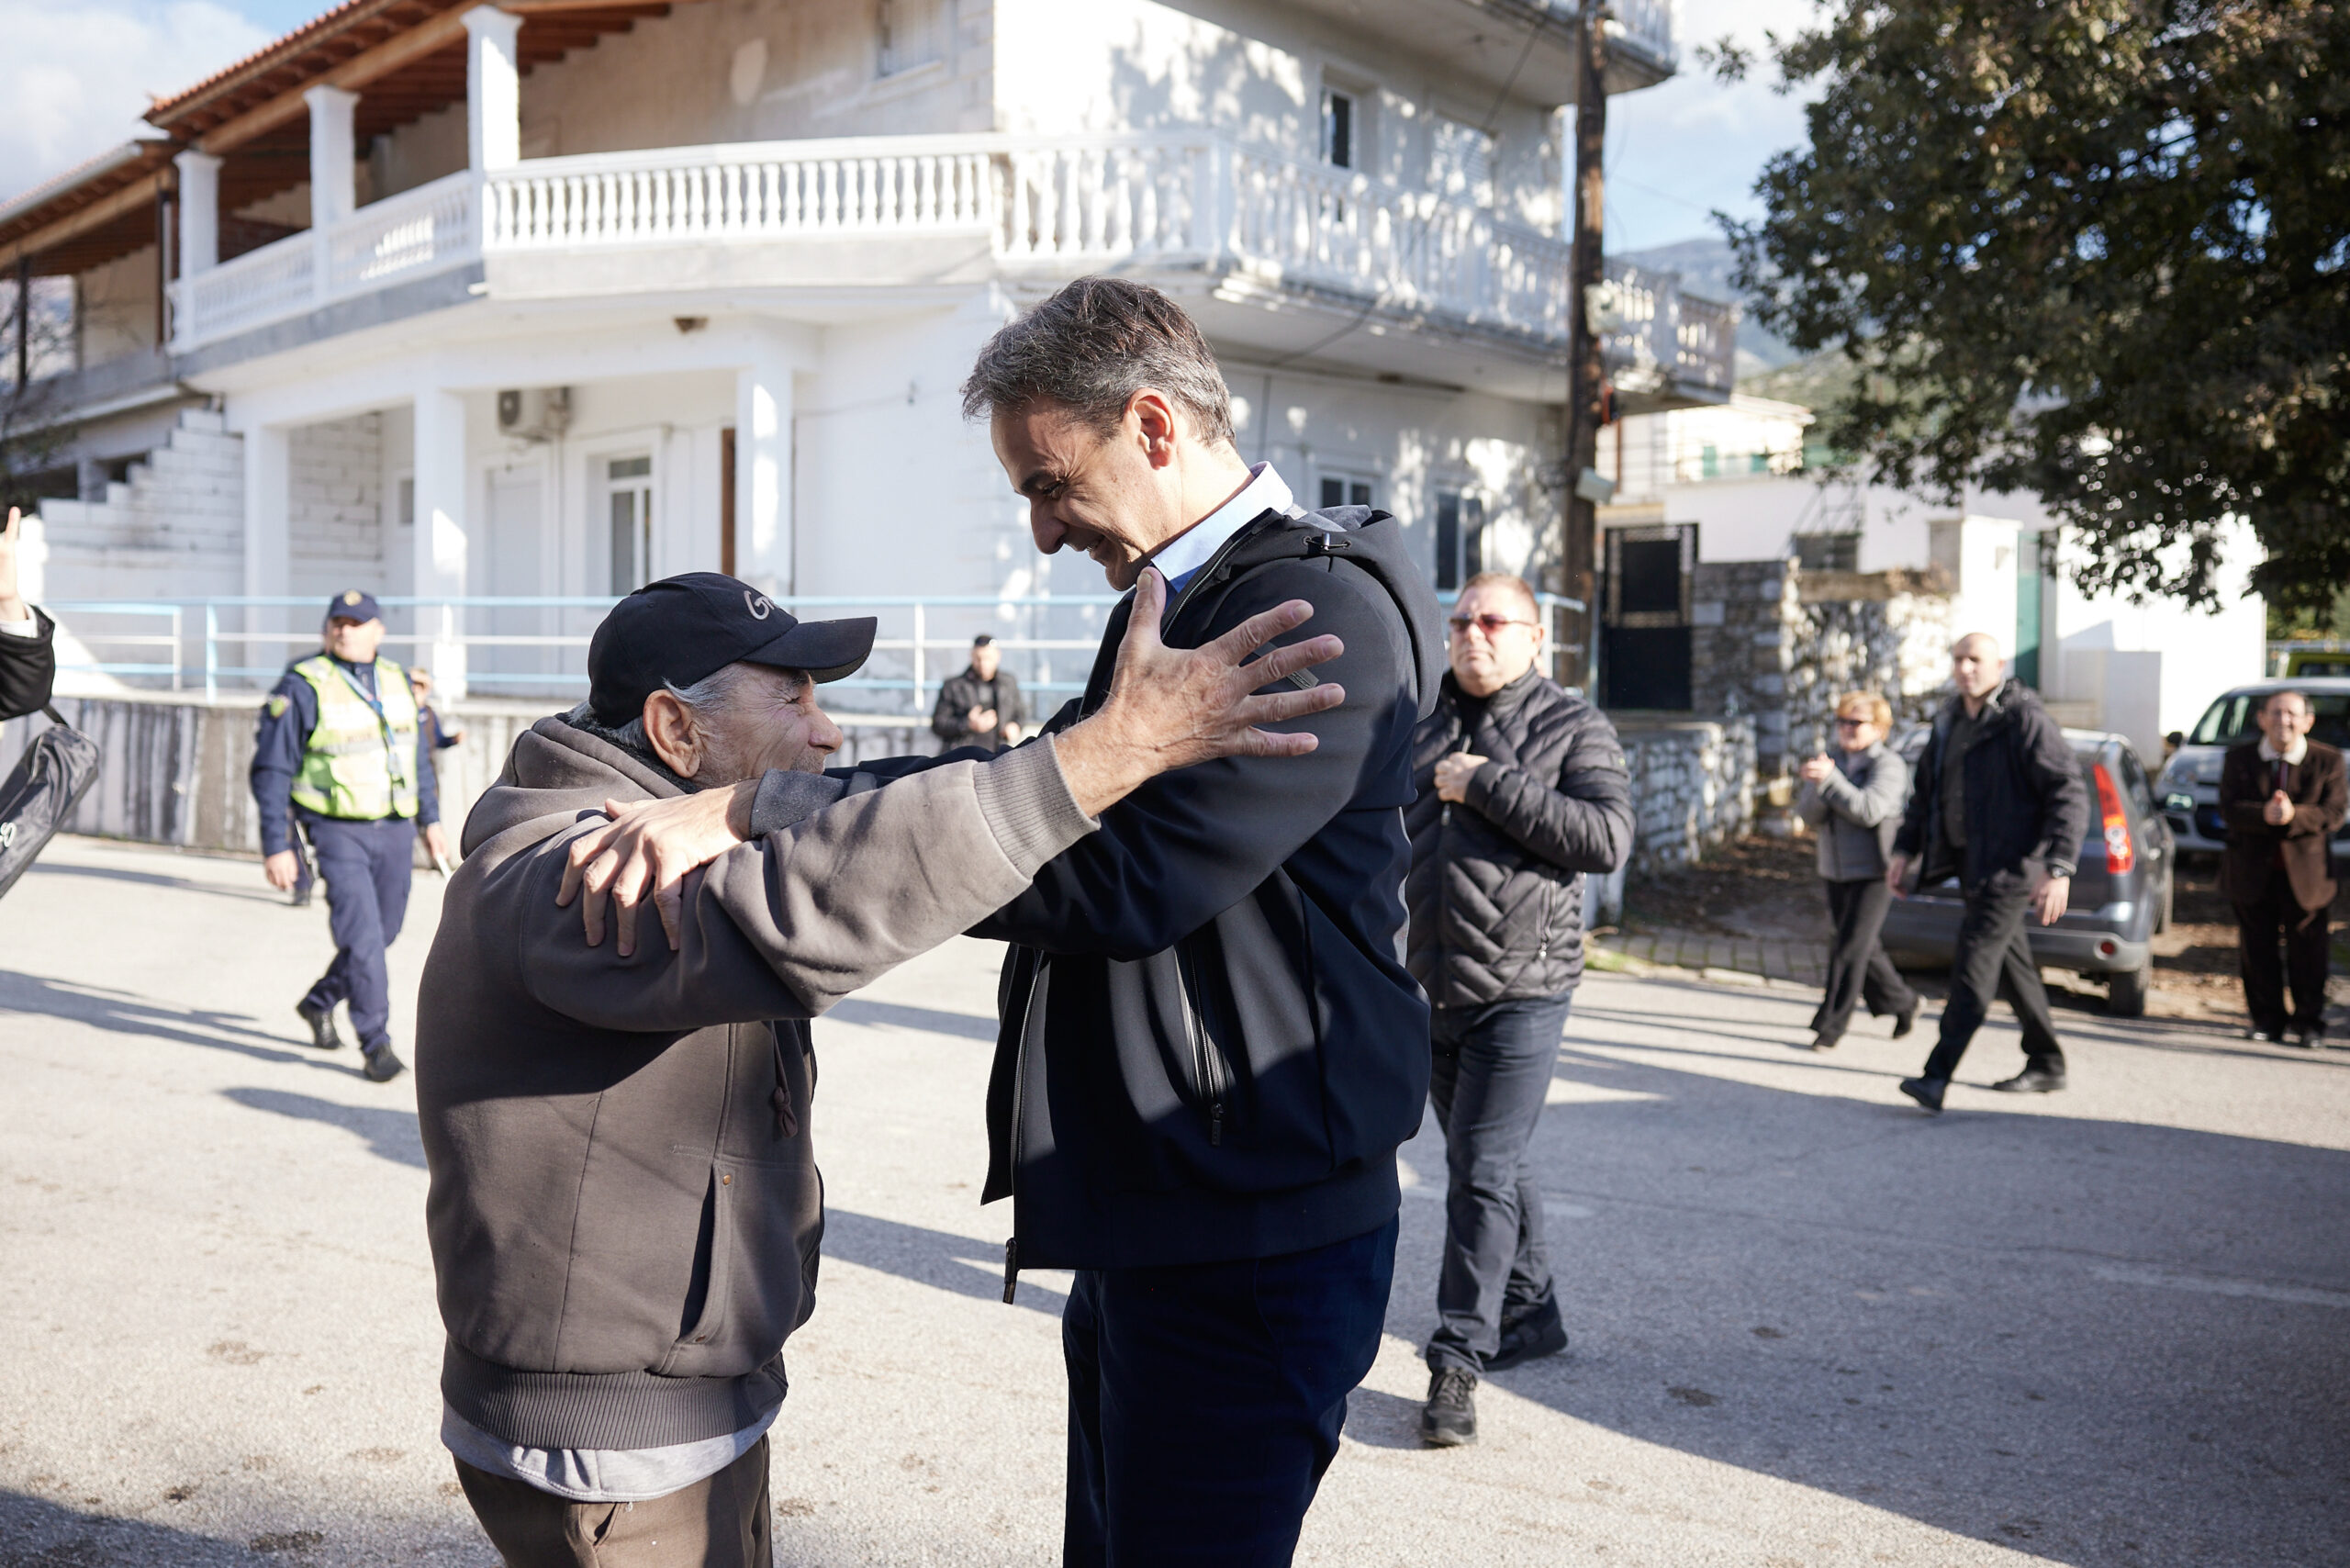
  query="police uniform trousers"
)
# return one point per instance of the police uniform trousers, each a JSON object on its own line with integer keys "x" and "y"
{"x": 365, "y": 866}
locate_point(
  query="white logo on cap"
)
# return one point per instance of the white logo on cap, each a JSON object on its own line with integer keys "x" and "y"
{"x": 758, "y": 605}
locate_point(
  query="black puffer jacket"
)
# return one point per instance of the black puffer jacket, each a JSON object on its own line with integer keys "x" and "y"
{"x": 1496, "y": 886}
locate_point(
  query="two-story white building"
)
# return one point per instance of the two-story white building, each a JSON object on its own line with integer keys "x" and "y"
{"x": 541, "y": 299}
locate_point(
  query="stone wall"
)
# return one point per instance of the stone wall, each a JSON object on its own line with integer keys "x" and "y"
{"x": 1884, "y": 632}
{"x": 1777, "y": 645}
{"x": 1692, "y": 786}
{"x": 1743, "y": 649}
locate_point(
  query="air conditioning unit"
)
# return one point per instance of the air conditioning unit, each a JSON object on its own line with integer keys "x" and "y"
{"x": 534, "y": 413}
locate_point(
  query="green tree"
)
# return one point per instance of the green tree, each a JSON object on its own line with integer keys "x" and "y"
{"x": 2099, "y": 249}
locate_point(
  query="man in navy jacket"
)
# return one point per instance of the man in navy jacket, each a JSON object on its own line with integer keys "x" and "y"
{"x": 1210, "y": 1046}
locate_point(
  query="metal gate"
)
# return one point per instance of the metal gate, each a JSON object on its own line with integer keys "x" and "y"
{"x": 1644, "y": 618}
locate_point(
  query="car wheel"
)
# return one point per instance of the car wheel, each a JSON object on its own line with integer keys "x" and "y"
{"x": 2125, "y": 992}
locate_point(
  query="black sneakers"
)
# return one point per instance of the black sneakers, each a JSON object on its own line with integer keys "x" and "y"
{"x": 2033, "y": 1079}
{"x": 383, "y": 1064}
{"x": 1450, "y": 1417}
{"x": 323, "y": 1034}
{"x": 1530, "y": 1338}
{"x": 1927, "y": 1091}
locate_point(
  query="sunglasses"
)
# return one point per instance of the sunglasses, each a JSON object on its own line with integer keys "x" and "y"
{"x": 1843, "y": 724}
{"x": 1490, "y": 624}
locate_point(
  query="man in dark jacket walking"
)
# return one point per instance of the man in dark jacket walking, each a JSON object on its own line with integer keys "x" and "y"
{"x": 1997, "y": 802}
{"x": 982, "y": 706}
{"x": 1521, "y": 790}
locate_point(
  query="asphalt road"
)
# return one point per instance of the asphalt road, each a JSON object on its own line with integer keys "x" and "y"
{"x": 1811, "y": 1325}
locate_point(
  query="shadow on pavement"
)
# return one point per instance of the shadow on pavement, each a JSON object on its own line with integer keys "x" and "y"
{"x": 937, "y": 1257}
{"x": 391, "y": 1135}
{"x": 156, "y": 880}
{"x": 2102, "y": 1343}
{"x": 124, "y": 1013}
{"x": 897, "y": 1016}
{"x": 38, "y": 1533}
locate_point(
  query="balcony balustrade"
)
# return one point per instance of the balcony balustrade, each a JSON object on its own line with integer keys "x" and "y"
{"x": 1054, "y": 206}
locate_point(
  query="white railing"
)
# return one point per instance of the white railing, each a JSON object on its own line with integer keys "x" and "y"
{"x": 742, "y": 191}
{"x": 410, "y": 235}
{"x": 1059, "y": 204}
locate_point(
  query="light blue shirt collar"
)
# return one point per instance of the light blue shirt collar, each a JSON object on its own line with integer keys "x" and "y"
{"x": 1191, "y": 549}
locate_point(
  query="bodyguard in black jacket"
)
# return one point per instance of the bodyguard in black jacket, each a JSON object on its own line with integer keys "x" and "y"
{"x": 1520, "y": 789}
{"x": 1997, "y": 802}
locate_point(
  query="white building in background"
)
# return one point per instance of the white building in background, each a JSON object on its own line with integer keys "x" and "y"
{"x": 450, "y": 301}
{"x": 1733, "y": 477}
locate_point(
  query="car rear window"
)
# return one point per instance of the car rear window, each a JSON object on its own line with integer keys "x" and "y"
{"x": 2235, "y": 716}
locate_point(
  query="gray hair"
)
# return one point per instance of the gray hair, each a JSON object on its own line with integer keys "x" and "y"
{"x": 1093, "y": 346}
{"x": 711, "y": 692}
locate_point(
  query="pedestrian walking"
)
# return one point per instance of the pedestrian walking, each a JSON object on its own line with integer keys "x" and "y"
{"x": 438, "y": 735}
{"x": 2283, "y": 797}
{"x": 1853, "y": 802}
{"x": 625, "y": 1212}
{"x": 2000, "y": 805}
{"x": 339, "y": 753}
{"x": 1210, "y": 1049}
{"x": 982, "y": 706}
{"x": 1521, "y": 790}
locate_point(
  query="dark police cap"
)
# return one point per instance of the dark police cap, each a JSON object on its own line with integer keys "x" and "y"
{"x": 684, "y": 629}
{"x": 355, "y": 604}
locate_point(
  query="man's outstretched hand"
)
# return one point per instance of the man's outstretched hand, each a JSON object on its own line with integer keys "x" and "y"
{"x": 1167, "y": 708}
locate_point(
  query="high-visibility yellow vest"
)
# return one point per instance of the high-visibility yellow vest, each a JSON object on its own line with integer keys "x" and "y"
{"x": 358, "y": 765}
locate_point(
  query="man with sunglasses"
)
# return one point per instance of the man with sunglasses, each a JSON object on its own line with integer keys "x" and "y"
{"x": 1522, "y": 789}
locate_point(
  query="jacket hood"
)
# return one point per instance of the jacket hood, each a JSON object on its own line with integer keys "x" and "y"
{"x": 1373, "y": 541}
{"x": 557, "y": 769}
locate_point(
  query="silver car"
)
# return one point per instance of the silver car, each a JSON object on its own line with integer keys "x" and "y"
{"x": 2190, "y": 785}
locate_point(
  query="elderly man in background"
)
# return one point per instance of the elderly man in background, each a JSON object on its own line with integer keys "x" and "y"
{"x": 2000, "y": 805}
{"x": 1853, "y": 802}
{"x": 2283, "y": 796}
{"x": 983, "y": 705}
{"x": 1522, "y": 789}
{"x": 624, "y": 1211}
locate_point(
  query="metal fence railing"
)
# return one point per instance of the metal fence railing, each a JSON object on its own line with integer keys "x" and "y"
{"x": 537, "y": 646}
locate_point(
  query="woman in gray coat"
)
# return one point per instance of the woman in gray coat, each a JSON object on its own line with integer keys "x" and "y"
{"x": 1853, "y": 803}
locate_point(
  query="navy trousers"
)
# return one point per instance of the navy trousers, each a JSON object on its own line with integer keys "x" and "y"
{"x": 365, "y": 868}
{"x": 1204, "y": 1401}
{"x": 1489, "y": 1078}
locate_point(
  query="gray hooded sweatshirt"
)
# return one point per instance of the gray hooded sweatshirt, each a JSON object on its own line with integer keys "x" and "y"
{"x": 624, "y": 1210}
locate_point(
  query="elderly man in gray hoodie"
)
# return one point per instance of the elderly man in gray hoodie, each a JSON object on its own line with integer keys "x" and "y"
{"x": 624, "y": 1210}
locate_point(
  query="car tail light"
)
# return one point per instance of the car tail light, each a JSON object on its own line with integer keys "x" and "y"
{"x": 2119, "y": 852}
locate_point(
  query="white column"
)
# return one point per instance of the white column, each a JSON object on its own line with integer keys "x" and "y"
{"x": 334, "y": 190}
{"x": 493, "y": 89}
{"x": 440, "y": 540}
{"x": 199, "y": 212}
{"x": 269, "y": 483}
{"x": 763, "y": 472}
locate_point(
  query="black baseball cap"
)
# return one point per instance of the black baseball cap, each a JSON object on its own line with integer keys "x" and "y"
{"x": 684, "y": 629}
{"x": 355, "y": 604}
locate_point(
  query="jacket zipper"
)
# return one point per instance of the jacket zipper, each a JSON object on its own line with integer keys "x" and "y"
{"x": 1206, "y": 1061}
{"x": 1019, "y": 1106}
{"x": 1550, "y": 904}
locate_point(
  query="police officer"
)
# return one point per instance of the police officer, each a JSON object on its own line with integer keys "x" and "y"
{"x": 340, "y": 752}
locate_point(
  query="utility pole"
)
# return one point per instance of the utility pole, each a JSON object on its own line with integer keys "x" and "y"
{"x": 1586, "y": 368}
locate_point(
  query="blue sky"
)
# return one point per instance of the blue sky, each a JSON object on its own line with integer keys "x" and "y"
{"x": 83, "y": 70}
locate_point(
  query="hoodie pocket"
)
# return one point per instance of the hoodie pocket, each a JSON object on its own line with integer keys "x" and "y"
{"x": 706, "y": 1292}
